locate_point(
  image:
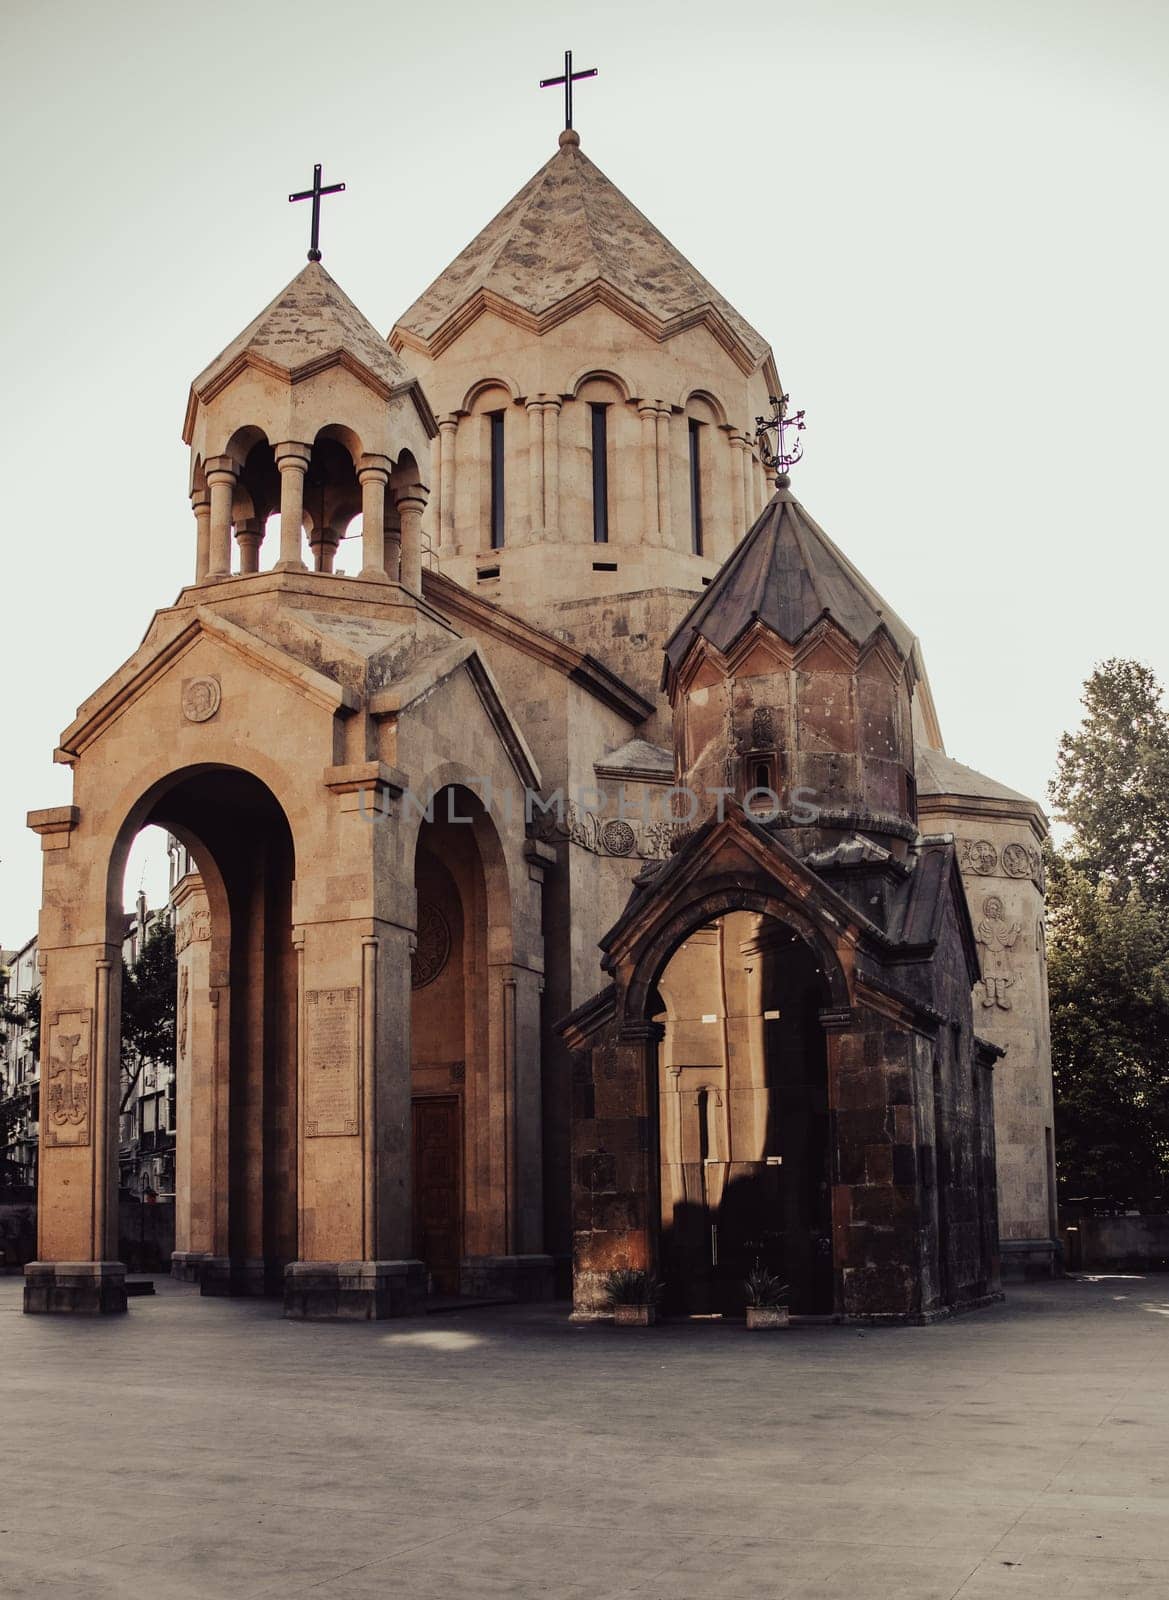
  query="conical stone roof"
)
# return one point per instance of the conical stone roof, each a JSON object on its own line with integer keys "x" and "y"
{"x": 940, "y": 774}
{"x": 568, "y": 229}
{"x": 311, "y": 319}
{"x": 787, "y": 573}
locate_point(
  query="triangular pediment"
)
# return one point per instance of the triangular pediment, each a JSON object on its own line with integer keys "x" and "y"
{"x": 157, "y": 658}
{"x": 734, "y": 849}
{"x": 427, "y": 677}
{"x": 826, "y": 649}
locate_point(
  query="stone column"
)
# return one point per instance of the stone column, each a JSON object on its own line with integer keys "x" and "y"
{"x": 739, "y": 501}
{"x": 373, "y": 473}
{"x": 292, "y": 458}
{"x": 535, "y": 410}
{"x": 649, "y": 471}
{"x": 393, "y": 541}
{"x": 221, "y": 475}
{"x": 748, "y": 464}
{"x": 447, "y": 430}
{"x": 665, "y": 513}
{"x": 552, "y": 465}
{"x": 249, "y": 535}
{"x": 196, "y": 1088}
{"x": 201, "y": 506}
{"x": 411, "y": 503}
{"x": 323, "y": 543}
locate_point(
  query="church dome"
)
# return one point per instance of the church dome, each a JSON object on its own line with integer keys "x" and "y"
{"x": 792, "y": 683}
{"x": 568, "y": 237}
{"x": 787, "y": 574}
{"x": 311, "y": 321}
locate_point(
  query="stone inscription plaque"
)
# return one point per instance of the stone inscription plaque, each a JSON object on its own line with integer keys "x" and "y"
{"x": 65, "y": 1119}
{"x": 331, "y": 1080}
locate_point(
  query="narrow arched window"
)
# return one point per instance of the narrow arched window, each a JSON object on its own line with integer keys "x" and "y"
{"x": 695, "y": 486}
{"x": 600, "y": 426}
{"x": 497, "y": 503}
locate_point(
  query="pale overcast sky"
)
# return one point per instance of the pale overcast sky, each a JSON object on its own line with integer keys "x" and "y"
{"x": 949, "y": 220}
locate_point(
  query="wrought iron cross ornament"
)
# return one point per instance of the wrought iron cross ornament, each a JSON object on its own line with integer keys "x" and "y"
{"x": 568, "y": 79}
{"x": 781, "y": 457}
{"x": 314, "y": 194}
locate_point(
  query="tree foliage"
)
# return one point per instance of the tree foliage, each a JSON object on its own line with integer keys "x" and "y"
{"x": 149, "y": 986}
{"x": 1112, "y": 781}
{"x": 1108, "y": 934}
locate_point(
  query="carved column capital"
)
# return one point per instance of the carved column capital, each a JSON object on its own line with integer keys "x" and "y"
{"x": 292, "y": 452}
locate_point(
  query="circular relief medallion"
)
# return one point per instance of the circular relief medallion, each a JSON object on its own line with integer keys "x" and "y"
{"x": 201, "y": 699}
{"x": 434, "y": 946}
{"x": 982, "y": 856}
{"x": 1016, "y": 861}
{"x": 618, "y": 838}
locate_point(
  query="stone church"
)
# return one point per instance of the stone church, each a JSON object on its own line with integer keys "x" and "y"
{"x": 581, "y": 880}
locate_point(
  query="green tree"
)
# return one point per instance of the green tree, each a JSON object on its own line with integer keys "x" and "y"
{"x": 1112, "y": 781}
{"x": 1108, "y": 936}
{"x": 149, "y": 985}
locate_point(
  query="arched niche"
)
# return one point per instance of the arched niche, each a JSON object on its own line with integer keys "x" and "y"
{"x": 462, "y": 1109}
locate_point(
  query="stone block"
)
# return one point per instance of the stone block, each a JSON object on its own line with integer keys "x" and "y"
{"x": 520, "y": 1278}
{"x": 221, "y": 1277}
{"x": 353, "y": 1291}
{"x": 75, "y": 1288}
{"x": 186, "y": 1266}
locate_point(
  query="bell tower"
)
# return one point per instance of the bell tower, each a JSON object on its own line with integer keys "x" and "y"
{"x": 309, "y": 418}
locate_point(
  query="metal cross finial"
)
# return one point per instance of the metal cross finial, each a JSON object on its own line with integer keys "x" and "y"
{"x": 781, "y": 458}
{"x": 314, "y": 194}
{"x": 570, "y": 77}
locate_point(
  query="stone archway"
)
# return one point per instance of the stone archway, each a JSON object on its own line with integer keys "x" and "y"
{"x": 236, "y": 1213}
{"x": 237, "y": 1224}
{"x": 744, "y": 1130}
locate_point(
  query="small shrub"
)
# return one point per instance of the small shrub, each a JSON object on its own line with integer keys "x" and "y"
{"x": 765, "y": 1288}
{"x": 630, "y": 1286}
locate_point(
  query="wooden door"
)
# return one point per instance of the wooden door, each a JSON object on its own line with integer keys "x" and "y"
{"x": 438, "y": 1206}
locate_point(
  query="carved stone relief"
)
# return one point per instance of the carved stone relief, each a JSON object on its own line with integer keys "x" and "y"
{"x": 612, "y": 836}
{"x": 184, "y": 1007}
{"x": 980, "y": 856}
{"x": 192, "y": 929}
{"x": 201, "y": 699}
{"x": 331, "y": 1062}
{"x": 1016, "y": 860}
{"x": 70, "y": 1049}
{"x": 997, "y": 936}
{"x": 433, "y": 948}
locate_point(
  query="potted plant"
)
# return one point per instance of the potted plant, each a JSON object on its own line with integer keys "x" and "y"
{"x": 766, "y": 1299}
{"x": 633, "y": 1294}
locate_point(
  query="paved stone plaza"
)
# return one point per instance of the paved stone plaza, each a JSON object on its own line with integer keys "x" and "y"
{"x": 205, "y": 1448}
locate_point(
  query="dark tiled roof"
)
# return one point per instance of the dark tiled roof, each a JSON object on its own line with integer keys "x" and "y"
{"x": 787, "y": 573}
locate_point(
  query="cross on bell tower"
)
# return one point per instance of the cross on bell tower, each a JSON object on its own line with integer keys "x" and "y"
{"x": 314, "y": 194}
{"x": 568, "y": 78}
